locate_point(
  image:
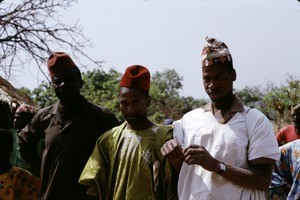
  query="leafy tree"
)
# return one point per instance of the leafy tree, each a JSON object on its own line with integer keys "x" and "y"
{"x": 191, "y": 103}
{"x": 102, "y": 88}
{"x": 31, "y": 29}
{"x": 43, "y": 95}
{"x": 99, "y": 87}
{"x": 275, "y": 102}
{"x": 280, "y": 99}
{"x": 166, "y": 100}
{"x": 165, "y": 92}
{"x": 250, "y": 96}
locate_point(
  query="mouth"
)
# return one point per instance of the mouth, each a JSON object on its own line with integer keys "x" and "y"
{"x": 213, "y": 92}
{"x": 130, "y": 117}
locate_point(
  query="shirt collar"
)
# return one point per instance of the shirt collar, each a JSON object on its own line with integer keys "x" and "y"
{"x": 236, "y": 106}
{"x": 81, "y": 107}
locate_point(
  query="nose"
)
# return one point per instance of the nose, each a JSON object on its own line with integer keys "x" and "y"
{"x": 61, "y": 84}
{"x": 129, "y": 109}
{"x": 211, "y": 84}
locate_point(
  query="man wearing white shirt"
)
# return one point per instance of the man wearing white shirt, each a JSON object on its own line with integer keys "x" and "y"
{"x": 224, "y": 150}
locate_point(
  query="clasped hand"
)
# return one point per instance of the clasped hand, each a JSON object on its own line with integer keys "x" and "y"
{"x": 193, "y": 154}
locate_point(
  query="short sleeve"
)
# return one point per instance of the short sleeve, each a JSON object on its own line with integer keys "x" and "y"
{"x": 261, "y": 136}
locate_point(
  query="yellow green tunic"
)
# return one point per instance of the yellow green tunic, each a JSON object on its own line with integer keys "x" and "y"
{"x": 124, "y": 162}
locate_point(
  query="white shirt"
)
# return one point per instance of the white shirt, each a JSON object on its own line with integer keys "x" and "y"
{"x": 246, "y": 136}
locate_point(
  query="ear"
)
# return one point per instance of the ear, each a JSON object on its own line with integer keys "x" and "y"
{"x": 233, "y": 75}
{"x": 148, "y": 101}
{"x": 81, "y": 83}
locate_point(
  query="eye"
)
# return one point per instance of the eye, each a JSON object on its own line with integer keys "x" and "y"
{"x": 57, "y": 82}
{"x": 135, "y": 103}
{"x": 219, "y": 77}
{"x": 206, "y": 78}
{"x": 123, "y": 103}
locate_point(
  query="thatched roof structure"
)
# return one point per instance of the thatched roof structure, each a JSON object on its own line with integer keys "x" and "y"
{"x": 10, "y": 98}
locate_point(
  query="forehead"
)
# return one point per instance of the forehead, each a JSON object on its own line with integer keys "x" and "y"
{"x": 67, "y": 73}
{"x": 214, "y": 69}
{"x": 130, "y": 93}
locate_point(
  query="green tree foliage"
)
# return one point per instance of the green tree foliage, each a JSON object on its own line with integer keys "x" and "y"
{"x": 166, "y": 100}
{"x": 102, "y": 88}
{"x": 280, "y": 99}
{"x": 43, "y": 95}
{"x": 250, "y": 96}
{"x": 275, "y": 102}
{"x": 164, "y": 91}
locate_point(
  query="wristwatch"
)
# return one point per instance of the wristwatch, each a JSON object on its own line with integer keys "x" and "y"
{"x": 221, "y": 168}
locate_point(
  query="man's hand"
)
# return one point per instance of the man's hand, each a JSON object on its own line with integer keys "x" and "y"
{"x": 196, "y": 154}
{"x": 172, "y": 151}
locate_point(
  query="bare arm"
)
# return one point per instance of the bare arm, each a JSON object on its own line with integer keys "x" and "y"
{"x": 258, "y": 177}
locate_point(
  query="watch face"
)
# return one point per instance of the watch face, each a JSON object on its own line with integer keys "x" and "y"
{"x": 222, "y": 168}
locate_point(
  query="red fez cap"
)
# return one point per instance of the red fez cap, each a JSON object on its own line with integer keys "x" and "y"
{"x": 59, "y": 62}
{"x": 136, "y": 77}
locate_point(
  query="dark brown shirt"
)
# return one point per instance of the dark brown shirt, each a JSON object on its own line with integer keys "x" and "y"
{"x": 68, "y": 145}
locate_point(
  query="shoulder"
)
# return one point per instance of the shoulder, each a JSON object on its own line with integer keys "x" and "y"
{"x": 45, "y": 110}
{"x": 113, "y": 132}
{"x": 100, "y": 109}
{"x": 165, "y": 128}
{"x": 194, "y": 114}
{"x": 285, "y": 128}
{"x": 19, "y": 171}
{"x": 255, "y": 117}
{"x": 111, "y": 136}
{"x": 293, "y": 145}
{"x": 44, "y": 113}
{"x": 97, "y": 108}
{"x": 104, "y": 113}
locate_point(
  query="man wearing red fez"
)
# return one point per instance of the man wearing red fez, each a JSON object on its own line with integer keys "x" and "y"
{"x": 126, "y": 162}
{"x": 227, "y": 148}
{"x": 290, "y": 132}
{"x": 70, "y": 129}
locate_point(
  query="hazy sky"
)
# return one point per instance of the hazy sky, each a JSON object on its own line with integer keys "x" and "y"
{"x": 262, "y": 35}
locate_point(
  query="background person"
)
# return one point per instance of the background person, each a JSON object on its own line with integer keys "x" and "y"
{"x": 286, "y": 176}
{"x": 228, "y": 149}
{"x": 23, "y": 114}
{"x": 15, "y": 183}
{"x": 70, "y": 129}
{"x": 291, "y": 132}
{"x": 126, "y": 162}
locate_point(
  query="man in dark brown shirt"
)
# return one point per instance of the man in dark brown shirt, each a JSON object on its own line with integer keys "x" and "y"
{"x": 70, "y": 129}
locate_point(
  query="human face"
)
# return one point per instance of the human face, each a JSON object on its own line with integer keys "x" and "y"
{"x": 67, "y": 86}
{"x": 296, "y": 119}
{"x": 218, "y": 82}
{"x": 134, "y": 105}
{"x": 21, "y": 119}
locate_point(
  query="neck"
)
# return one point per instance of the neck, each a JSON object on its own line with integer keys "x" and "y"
{"x": 223, "y": 104}
{"x": 70, "y": 105}
{"x": 141, "y": 125}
